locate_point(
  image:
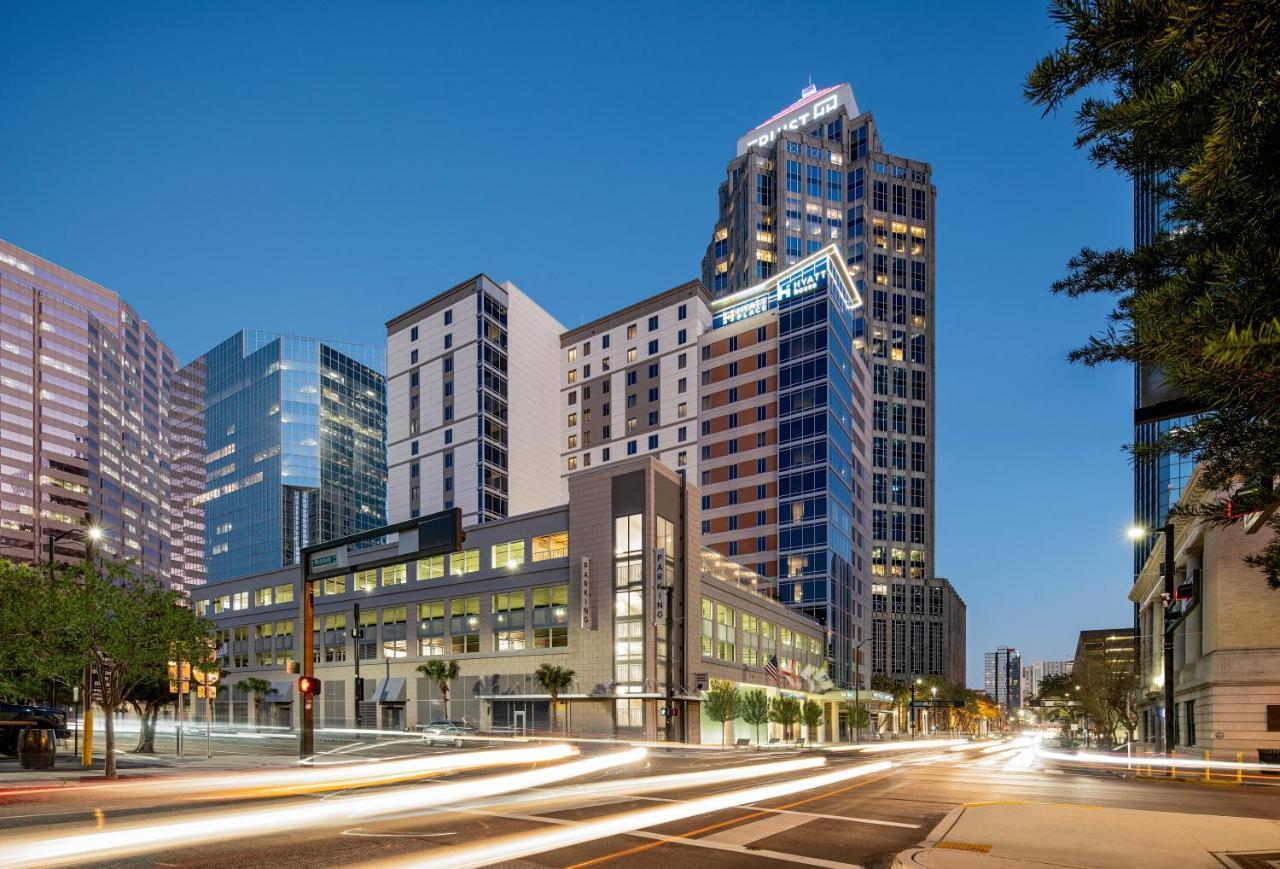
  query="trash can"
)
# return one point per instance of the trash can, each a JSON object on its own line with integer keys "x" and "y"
{"x": 37, "y": 747}
{"x": 1270, "y": 756}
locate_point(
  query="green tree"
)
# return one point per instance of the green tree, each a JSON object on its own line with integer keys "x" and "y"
{"x": 259, "y": 689}
{"x": 754, "y": 706}
{"x": 859, "y": 717}
{"x": 812, "y": 714}
{"x": 785, "y": 711}
{"x": 553, "y": 680}
{"x": 442, "y": 673}
{"x": 127, "y": 628}
{"x": 721, "y": 702}
{"x": 147, "y": 698}
{"x": 1183, "y": 99}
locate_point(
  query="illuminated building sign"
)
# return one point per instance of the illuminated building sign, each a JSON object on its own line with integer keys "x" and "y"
{"x": 804, "y": 278}
{"x": 814, "y": 105}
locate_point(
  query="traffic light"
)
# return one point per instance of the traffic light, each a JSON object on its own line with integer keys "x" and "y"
{"x": 308, "y": 686}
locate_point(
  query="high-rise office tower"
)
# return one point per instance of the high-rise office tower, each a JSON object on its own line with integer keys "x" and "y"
{"x": 918, "y": 629}
{"x": 814, "y": 175}
{"x": 84, "y": 418}
{"x": 282, "y": 444}
{"x": 473, "y": 387}
{"x": 782, "y": 455}
{"x": 1157, "y": 408}
{"x": 1003, "y": 677}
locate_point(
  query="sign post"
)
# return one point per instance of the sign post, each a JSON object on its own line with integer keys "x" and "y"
{"x": 436, "y": 534}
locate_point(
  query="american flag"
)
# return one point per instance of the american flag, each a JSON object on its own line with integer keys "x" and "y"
{"x": 771, "y": 669}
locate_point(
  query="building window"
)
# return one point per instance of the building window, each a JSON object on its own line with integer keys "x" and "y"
{"x": 395, "y": 574}
{"x": 284, "y": 593}
{"x": 467, "y": 561}
{"x": 366, "y": 580}
{"x": 551, "y": 546}
{"x": 551, "y": 617}
{"x": 367, "y": 635}
{"x": 394, "y": 632}
{"x": 508, "y": 621}
{"x": 431, "y": 568}
{"x": 464, "y": 625}
{"x": 431, "y": 628}
{"x": 509, "y": 555}
{"x": 708, "y": 627}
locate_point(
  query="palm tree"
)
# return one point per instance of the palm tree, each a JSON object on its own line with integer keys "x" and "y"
{"x": 442, "y": 673}
{"x": 259, "y": 688}
{"x": 553, "y": 679}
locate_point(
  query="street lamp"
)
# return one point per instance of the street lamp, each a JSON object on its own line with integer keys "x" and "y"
{"x": 857, "y": 684}
{"x": 1169, "y": 599}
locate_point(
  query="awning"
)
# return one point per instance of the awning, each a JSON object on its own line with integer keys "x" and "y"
{"x": 391, "y": 690}
{"x": 282, "y": 693}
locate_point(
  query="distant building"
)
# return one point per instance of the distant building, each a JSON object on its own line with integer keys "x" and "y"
{"x": 917, "y": 629}
{"x": 1226, "y": 670}
{"x": 1034, "y": 673}
{"x": 1112, "y": 645}
{"x": 281, "y": 444}
{"x": 472, "y": 388}
{"x": 1003, "y": 677}
{"x": 84, "y": 419}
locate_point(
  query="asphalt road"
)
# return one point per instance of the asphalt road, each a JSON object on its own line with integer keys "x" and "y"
{"x": 861, "y": 821}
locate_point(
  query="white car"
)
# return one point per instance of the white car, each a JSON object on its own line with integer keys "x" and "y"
{"x": 447, "y": 733}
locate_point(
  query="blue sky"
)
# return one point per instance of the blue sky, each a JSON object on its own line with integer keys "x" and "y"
{"x": 316, "y": 169}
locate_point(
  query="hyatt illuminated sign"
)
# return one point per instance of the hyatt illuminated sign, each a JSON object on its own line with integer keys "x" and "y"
{"x": 814, "y": 105}
{"x": 800, "y": 281}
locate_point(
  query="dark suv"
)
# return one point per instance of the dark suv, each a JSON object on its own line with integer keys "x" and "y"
{"x": 16, "y": 717}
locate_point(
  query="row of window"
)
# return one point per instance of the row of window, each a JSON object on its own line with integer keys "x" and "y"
{"x": 509, "y": 555}
{"x": 682, "y": 313}
{"x": 758, "y": 642}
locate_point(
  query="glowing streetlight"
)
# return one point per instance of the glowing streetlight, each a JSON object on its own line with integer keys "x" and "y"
{"x": 95, "y": 533}
{"x": 1137, "y": 532}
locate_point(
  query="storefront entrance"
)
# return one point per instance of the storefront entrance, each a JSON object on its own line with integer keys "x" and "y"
{"x": 522, "y": 716}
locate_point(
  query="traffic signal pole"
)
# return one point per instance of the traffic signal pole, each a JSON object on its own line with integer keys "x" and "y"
{"x": 306, "y": 721}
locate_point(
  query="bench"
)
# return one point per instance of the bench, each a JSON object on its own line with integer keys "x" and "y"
{"x": 800, "y": 742}
{"x": 773, "y": 741}
{"x": 742, "y": 743}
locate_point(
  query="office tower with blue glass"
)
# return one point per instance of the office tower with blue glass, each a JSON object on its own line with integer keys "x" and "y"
{"x": 783, "y": 449}
{"x": 814, "y": 176}
{"x": 1157, "y": 408}
{"x": 283, "y": 445}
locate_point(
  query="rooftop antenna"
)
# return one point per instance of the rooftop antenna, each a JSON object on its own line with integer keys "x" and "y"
{"x": 809, "y": 90}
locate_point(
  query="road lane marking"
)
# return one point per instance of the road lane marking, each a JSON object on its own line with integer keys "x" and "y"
{"x": 665, "y": 839}
{"x": 847, "y": 818}
{"x": 745, "y": 834}
{"x": 685, "y": 837}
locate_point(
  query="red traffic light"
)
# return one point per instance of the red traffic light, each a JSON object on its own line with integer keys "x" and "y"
{"x": 308, "y": 686}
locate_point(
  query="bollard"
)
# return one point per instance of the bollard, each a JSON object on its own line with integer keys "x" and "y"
{"x": 1206, "y": 766}
{"x": 1173, "y": 764}
{"x": 1239, "y": 767}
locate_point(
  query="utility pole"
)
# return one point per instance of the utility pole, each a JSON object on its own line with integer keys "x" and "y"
{"x": 355, "y": 642}
{"x": 1170, "y": 625}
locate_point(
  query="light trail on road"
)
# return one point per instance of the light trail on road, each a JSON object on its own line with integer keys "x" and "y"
{"x": 58, "y": 847}
{"x": 1187, "y": 763}
{"x": 575, "y": 833}
{"x": 327, "y": 777}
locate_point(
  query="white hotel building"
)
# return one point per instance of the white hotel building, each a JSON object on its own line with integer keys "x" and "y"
{"x": 471, "y": 373}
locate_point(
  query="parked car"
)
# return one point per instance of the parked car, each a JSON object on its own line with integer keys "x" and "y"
{"x": 15, "y": 717}
{"x": 447, "y": 732}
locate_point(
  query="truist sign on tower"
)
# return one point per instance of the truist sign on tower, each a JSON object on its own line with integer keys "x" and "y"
{"x": 814, "y": 105}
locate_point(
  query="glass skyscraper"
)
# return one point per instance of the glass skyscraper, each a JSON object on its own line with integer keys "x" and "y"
{"x": 1157, "y": 409}
{"x": 283, "y": 446}
{"x": 783, "y": 451}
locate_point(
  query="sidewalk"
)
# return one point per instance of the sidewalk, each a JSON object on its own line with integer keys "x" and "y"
{"x": 982, "y": 835}
{"x": 68, "y": 771}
